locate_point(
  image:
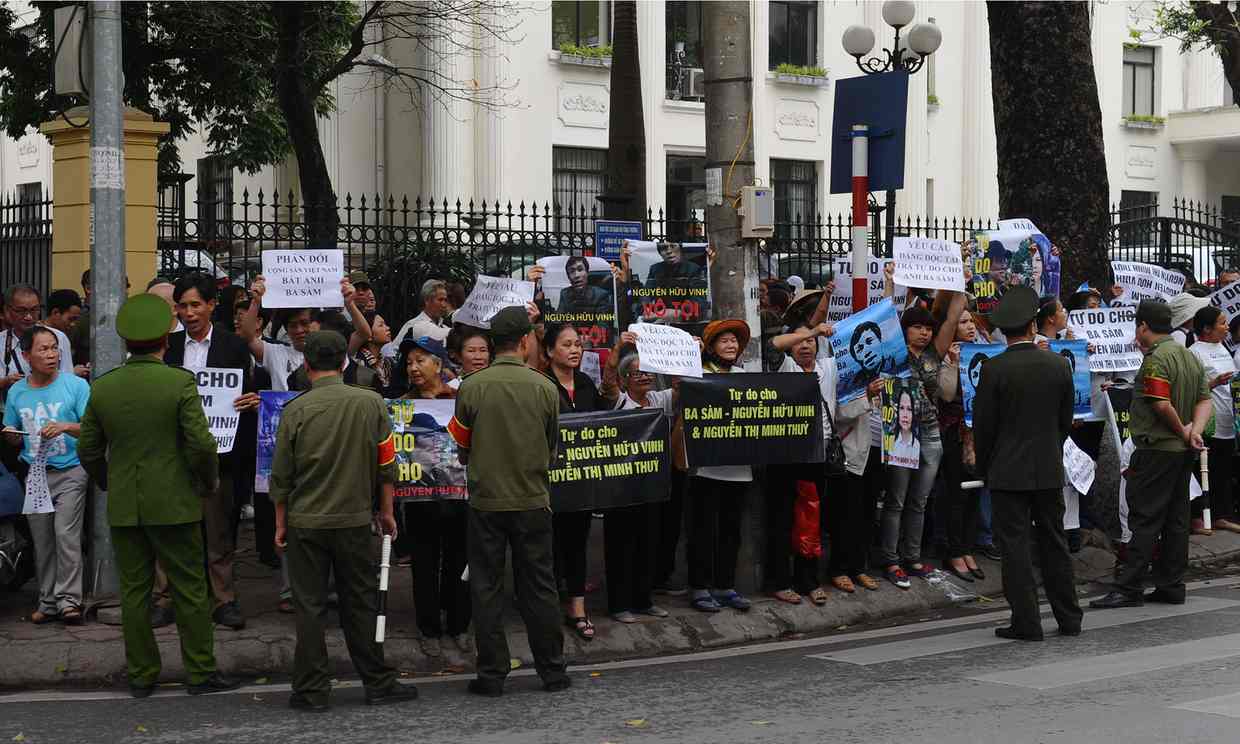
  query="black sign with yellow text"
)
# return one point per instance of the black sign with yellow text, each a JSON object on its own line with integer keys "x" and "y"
{"x": 612, "y": 459}
{"x": 752, "y": 419}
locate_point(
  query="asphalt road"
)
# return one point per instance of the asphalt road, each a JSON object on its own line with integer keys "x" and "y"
{"x": 1160, "y": 674}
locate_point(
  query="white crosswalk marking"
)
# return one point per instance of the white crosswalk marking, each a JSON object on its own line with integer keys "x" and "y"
{"x": 1223, "y": 705}
{"x": 1123, "y": 664}
{"x": 981, "y": 637}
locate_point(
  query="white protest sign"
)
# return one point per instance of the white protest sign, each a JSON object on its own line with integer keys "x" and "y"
{"x": 592, "y": 367}
{"x": 1020, "y": 224}
{"x": 929, "y": 263}
{"x": 841, "y": 305}
{"x": 1078, "y": 466}
{"x": 303, "y": 278}
{"x": 1142, "y": 281}
{"x": 1112, "y": 331}
{"x": 667, "y": 350}
{"x": 490, "y": 295}
{"x": 218, "y": 388}
{"x": 1227, "y": 299}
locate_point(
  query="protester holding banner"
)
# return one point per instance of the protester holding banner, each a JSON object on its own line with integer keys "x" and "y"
{"x": 957, "y": 507}
{"x": 562, "y": 348}
{"x": 432, "y": 321}
{"x": 717, "y": 493}
{"x": 1184, "y": 307}
{"x": 1051, "y": 320}
{"x": 472, "y": 347}
{"x": 854, "y": 493}
{"x": 904, "y": 506}
{"x": 43, "y": 411}
{"x": 1210, "y": 328}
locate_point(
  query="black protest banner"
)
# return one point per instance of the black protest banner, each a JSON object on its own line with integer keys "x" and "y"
{"x": 1120, "y": 399}
{"x": 752, "y": 419}
{"x": 607, "y": 460}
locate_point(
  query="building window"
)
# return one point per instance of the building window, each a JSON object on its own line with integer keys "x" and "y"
{"x": 215, "y": 197}
{"x": 578, "y": 176}
{"x": 796, "y": 191}
{"x": 1135, "y": 206}
{"x": 583, "y": 23}
{"x": 793, "y": 33}
{"x": 29, "y": 200}
{"x": 686, "y": 196}
{"x": 1139, "y": 81}
{"x": 684, "y": 51}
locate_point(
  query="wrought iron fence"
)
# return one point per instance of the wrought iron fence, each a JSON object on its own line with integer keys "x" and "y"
{"x": 26, "y": 240}
{"x": 1197, "y": 239}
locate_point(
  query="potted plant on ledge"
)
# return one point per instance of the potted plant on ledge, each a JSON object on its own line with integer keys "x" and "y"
{"x": 800, "y": 75}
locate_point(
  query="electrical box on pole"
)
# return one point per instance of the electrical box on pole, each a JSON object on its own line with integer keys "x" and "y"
{"x": 71, "y": 68}
{"x": 757, "y": 212}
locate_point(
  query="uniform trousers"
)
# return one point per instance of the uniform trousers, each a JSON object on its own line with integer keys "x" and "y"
{"x": 57, "y": 538}
{"x": 528, "y": 534}
{"x": 1157, "y": 490}
{"x": 312, "y": 556}
{"x": 437, "y": 531}
{"x": 1022, "y": 519}
{"x": 178, "y": 547}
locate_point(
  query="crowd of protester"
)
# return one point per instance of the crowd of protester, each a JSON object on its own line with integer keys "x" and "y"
{"x": 875, "y": 521}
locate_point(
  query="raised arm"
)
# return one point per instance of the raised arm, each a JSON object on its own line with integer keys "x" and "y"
{"x": 947, "y": 329}
{"x": 361, "y": 329}
{"x": 247, "y": 327}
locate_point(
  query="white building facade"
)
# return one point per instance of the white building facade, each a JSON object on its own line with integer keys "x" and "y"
{"x": 1169, "y": 126}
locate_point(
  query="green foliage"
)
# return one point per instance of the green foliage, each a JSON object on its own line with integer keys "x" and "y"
{"x": 595, "y": 52}
{"x": 1178, "y": 19}
{"x": 194, "y": 65}
{"x": 399, "y": 273}
{"x": 932, "y": 99}
{"x": 1146, "y": 118}
{"x": 787, "y": 69}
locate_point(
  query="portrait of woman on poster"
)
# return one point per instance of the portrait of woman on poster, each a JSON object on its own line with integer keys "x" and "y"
{"x": 906, "y": 447}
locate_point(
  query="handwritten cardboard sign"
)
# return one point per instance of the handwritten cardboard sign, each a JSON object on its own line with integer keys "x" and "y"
{"x": 303, "y": 278}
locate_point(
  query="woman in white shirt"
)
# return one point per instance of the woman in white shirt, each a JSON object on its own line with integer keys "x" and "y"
{"x": 1210, "y": 328}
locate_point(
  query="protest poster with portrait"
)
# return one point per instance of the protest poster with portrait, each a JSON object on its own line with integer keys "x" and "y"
{"x": 669, "y": 282}
{"x": 901, "y": 430}
{"x": 1113, "y": 332}
{"x": 218, "y": 388}
{"x": 841, "y": 305}
{"x": 752, "y": 419}
{"x": 581, "y": 291}
{"x": 972, "y": 357}
{"x": 307, "y": 277}
{"x": 490, "y": 295}
{"x": 1077, "y": 354}
{"x": 1017, "y": 254}
{"x": 865, "y": 345}
{"x": 270, "y": 407}
{"x": 612, "y": 459}
{"x": 427, "y": 467}
{"x": 1142, "y": 281}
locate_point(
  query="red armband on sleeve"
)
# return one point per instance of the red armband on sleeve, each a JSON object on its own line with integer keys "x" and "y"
{"x": 460, "y": 433}
{"x": 387, "y": 451}
{"x": 1156, "y": 387}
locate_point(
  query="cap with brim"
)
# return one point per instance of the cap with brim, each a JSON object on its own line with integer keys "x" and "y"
{"x": 1184, "y": 306}
{"x": 1017, "y": 308}
{"x": 1156, "y": 314}
{"x": 716, "y": 328}
{"x": 144, "y": 317}
{"x": 800, "y": 304}
{"x": 427, "y": 344}
{"x": 511, "y": 321}
{"x": 359, "y": 278}
{"x": 325, "y": 349}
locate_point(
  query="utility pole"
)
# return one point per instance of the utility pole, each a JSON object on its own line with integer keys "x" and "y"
{"x": 730, "y": 165}
{"x": 107, "y": 251}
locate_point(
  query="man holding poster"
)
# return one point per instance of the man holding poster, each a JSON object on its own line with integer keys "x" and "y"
{"x": 581, "y": 291}
{"x": 667, "y": 282}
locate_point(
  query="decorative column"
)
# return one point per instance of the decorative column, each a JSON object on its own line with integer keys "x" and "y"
{"x": 445, "y": 135}
{"x": 1194, "y": 170}
{"x": 488, "y": 124}
{"x": 71, "y": 210}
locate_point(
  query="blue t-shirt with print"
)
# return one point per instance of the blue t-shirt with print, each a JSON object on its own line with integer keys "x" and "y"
{"x": 28, "y": 409}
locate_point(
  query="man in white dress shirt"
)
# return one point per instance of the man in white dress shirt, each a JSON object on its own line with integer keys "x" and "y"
{"x": 432, "y": 321}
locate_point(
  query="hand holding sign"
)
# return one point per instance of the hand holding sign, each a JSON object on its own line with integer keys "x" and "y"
{"x": 303, "y": 278}
{"x": 489, "y": 296}
{"x": 667, "y": 350}
{"x": 929, "y": 263}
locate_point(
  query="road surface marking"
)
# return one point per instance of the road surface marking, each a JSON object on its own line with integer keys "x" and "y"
{"x": 1224, "y": 705}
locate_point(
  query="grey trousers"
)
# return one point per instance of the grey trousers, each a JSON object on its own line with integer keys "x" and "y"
{"x": 904, "y": 506}
{"x": 58, "y": 541}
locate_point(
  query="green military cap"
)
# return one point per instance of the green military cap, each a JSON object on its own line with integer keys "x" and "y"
{"x": 144, "y": 317}
{"x": 359, "y": 278}
{"x": 1017, "y": 308}
{"x": 511, "y": 321}
{"x": 325, "y": 350}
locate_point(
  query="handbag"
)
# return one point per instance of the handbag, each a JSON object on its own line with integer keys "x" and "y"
{"x": 834, "y": 461}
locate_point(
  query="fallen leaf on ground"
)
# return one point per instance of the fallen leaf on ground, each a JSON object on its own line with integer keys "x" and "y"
{"x": 841, "y": 627}
{"x": 19, "y": 737}
{"x": 261, "y": 681}
{"x": 60, "y": 668}
{"x": 514, "y": 663}
{"x": 635, "y": 722}
{"x": 761, "y": 723}
{"x": 140, "y": 729}
{"x": 596, "y": 674}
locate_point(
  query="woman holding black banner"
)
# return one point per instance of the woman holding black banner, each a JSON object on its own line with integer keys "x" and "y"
{"x": 717, "y": 492}
{"x": 472, "y": 347}
{"x": 436, "y": 529}
{"x": 1210, "y": 328}
{"x": 562, "y": 349}
{"x": 957, "y": 507}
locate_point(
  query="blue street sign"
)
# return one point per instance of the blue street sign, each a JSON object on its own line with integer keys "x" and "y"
{"x": 880, "y": 102}
{"x": 610, "y": 234}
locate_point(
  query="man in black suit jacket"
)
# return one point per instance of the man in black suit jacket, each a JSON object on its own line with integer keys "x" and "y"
{"x": 202, "y": 344}
{"x": 1022, "y": 414}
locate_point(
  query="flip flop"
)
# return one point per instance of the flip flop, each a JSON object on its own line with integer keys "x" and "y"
{"x": 38, "y": 617}
{"x": 818, "y": 596}
{"x": 71, "y": 616}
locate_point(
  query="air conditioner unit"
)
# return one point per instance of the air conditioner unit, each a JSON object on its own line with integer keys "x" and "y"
{"x": 697, "y": 78}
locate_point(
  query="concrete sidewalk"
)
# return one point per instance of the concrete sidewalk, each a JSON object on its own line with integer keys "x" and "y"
{"x": 93, "y": 654}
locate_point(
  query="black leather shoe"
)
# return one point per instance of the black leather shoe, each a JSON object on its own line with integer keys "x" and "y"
{"x": 162, "y": 616}
{"x": 962, "y": 575}
{"x": 1162, "y": 596}
{"x": 558, "y": 685}
{"x": 299, "y": 701}
{"x": 141, "y": 691}
{"x": 1012, "y": 635}
{"x": 215, "y": 683}
{"x": 1116, "y": 600}
{"x": 397, "y": 693}
{"x": 486, "y": 688}
{"x": 229, "y": 615}
{"x": 1070, "y": 632}
{"x": 978, "y": 573}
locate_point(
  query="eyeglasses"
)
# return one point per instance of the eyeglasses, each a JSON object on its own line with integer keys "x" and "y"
{"x": 26, "y": 312}
{"x": 638, "y": 373}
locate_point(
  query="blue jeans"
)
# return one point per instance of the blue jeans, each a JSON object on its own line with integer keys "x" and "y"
{"x": 904, "y": 507}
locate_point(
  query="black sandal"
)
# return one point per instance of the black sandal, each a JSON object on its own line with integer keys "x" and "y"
{"x": 581, "y": 626}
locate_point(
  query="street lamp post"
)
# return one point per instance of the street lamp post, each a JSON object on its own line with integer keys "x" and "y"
{"x": 907, "y": 53}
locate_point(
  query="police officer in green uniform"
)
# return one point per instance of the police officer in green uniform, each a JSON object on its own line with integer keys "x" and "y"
{"x": 506, "y": 428}
{"x": 1170, "y": 409}
{"x": 334, "y": 451}
{"x": 145, "y": 439}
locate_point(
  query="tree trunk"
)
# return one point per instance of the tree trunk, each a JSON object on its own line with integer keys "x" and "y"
{"x": 626, "y": 133}
{"x": 297, "y": 103}
{"x": 1225, "y": 37}
{"x": 1048, "y": 127}
{"x": 729, "y": 148}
